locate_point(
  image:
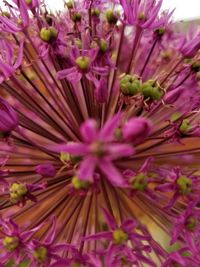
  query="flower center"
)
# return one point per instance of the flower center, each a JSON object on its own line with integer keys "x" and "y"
{"x": 40, "y": 254}
{"x": 191, "y": 223}
{"x": 76, "y": 264}
{"x": 17, "y": 192}
{"x": 140, "y": 182}
{"x": 79, "y": 184}
{"x": 185, "y": 185}
{"x": 185, "y": 126}
{"x": 98, "y": 149}
{"x": 11, "y": 242}
{"x": 48, "y": 34}
{"x": 119, "y": 236}
{"x": 83, "y": 62}
{"x": 152, "y": 90}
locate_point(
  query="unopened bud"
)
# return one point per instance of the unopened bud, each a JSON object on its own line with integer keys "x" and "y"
{"x": 152, "y": 90}
{"x": 130, "y": 85}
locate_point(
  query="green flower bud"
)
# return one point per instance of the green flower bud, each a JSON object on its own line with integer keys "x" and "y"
{"x": 152, "y": 90}
{"x": 41, "y": 254}
{"x": 95, "y": 12}
{"x": 130, "y": 85}
{"x": 79, "y": 184}
{"x": 11, "y": 242}
{"x": 17, "y": 192}
{"x": 111, "y": 16}
{"x": 140, "y": 182}
{"x": 185, "y": 185}
{"x": 48, "y": 34}
{"x": 83, "y": 62}
{"x": 185, "y": 126}
{"x": 119, "y": 236}
{"x": 191, "y": 223}
{"x": 76, "y": 17}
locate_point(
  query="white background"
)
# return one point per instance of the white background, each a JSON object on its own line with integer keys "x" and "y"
{"x": 185, "y": 9}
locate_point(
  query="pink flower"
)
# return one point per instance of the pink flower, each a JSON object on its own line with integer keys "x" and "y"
{"x": 83, "y": 65}
{"x": 98, "y": 150}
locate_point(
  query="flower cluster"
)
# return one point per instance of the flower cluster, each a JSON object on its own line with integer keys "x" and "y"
{"x": 99, "y": 136}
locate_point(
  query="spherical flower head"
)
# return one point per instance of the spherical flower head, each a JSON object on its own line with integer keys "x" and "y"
{"x": 8, "y": 118}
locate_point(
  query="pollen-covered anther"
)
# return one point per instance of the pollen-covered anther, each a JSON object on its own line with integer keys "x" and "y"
{"x": 119, "y": 236}
{"x": 11, "y": 242}
{"x": 185, "y": 185}
{"x": 83, "y": 62}
{"x": 130, "y": 84}
{"x": 41, "y": 254}
{"x": 140, "y": 182}
{"x": 17, "y": 192}
{"x": 48, "y": 34}
{"x": 79, "y": 184}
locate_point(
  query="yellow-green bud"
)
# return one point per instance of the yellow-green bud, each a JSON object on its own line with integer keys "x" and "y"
{"x": 196, "y": 66}
{"x": 11, "y": 242}
{"x": 160, "y": 32}
{"x": 28, "y": 2}
{"x": 141, "y": 16}
{"x": 17, "y": 192}
{"x": 6, "y": 14}
{"x": 185, "y": 126}
{"x": 20, "y": 22}
{"x": 95, "y": 12}
{"x": 103, "y": 45}
{"x": 64, "y": 156}
{"x": 41, "y": 254}
{"x": 76, "y": 264}
{"x": 83, "y": 62}
{"x": 78, "y": 43}
{"x": 76, "y": 17}
{"x": 130, "y": 85}
{"x": 152, "y": 90}
{"x": 185, "y": 185}
{"x": 119, "y": 236}
{"x": 48, "y": 34}
{"x": 191, "y": 223}
{"x": 111, "y": 16}
{"x": 79, "y": 184}
{"x": 140, "y": 182}
{"x": 69, "y": 4}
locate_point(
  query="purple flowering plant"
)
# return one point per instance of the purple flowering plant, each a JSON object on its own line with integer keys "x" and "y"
{"x": 99, "y": 135}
